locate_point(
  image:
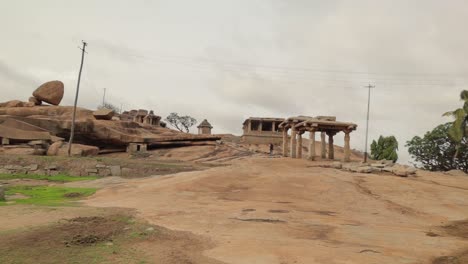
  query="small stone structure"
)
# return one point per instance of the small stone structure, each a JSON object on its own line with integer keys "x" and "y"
{"x": 204, "y": 128}
{"x": 137, "y": 148}
{"x": 262, "y": 130}
{"x": 326, "y": 125}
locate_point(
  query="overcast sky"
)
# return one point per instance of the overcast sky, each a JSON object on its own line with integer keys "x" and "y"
{"x": 226, "y": 60}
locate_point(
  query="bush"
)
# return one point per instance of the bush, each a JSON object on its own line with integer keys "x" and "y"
{"x": 435, "y": 151}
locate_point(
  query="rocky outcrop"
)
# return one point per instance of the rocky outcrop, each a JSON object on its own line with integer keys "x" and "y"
{"x": 383, "y": 166}
{"x": 78, "y": 150}
{"x": 50, "y": 92}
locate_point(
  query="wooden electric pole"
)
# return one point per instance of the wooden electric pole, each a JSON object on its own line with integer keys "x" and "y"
{"x": 104, "y": 99}
{"x": 367, "y": 122}
{"x": 72, "y": 132}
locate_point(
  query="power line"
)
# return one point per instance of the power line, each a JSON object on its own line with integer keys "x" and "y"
{"x": 72, "y": 133}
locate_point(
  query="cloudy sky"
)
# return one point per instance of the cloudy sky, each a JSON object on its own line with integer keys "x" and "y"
{"x": 226, "y": 60}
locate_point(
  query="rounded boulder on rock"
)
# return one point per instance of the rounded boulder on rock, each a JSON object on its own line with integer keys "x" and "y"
{"x": 50, "y": 92}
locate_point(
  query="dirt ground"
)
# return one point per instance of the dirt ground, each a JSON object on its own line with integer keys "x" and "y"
{"x": 111, "y": 235}
{"x": 276, "y": 210}
{"x": 259, "y": 209}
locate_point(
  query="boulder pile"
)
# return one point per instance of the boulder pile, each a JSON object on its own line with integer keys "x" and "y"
{"x": 49, "y": 92}
{"x": 381, "y": 166}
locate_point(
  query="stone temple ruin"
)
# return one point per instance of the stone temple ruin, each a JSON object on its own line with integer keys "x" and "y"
{"x": 326, "y": 125}
{"x": 40, "y": 129}
{"x": 143, "y": 117}
{"x": 267, "y": 130}
{"x": 262, "y": 130}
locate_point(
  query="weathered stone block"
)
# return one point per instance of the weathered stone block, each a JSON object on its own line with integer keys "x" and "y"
{"x": 337, "y": 165}
{"x": 365, "y": 169}
{"x": 104, "y": 114}
{"x": 104, "y": 172}
{"x": 115, "y": 170}
{"x": 401, "y": 172}
{"x": 91, "y": 171}
{"x": 33, "y": 167}
{"x": 387, "y": 169}
{"x": 13, "y": 167}
{"x": 101, "y": 166}
{"x": 126, "y": 172}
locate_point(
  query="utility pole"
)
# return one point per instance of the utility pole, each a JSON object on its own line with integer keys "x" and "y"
{"x": 104, "y": 98}
{"x": 367, "y": 123}
{"x": 72, "y": 133}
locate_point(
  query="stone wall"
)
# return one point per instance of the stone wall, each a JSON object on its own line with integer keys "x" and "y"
{"x": 52, "y": 170}
{"x": 262, "y": 139}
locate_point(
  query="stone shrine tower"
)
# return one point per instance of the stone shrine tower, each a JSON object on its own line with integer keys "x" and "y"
{"x": 204, "y": 128}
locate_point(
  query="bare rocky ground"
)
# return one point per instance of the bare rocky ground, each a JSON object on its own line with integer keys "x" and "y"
{"x": 256, "y": 210}
{"x": 264, "y": 210}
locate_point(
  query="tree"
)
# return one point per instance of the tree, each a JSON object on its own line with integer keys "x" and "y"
{"x": 181, "y": 123}
{"x": 385, "y": 148}
{"x": 109, "y": 106}
{"x": 459, "y": 128}
{"x": 435, "y": 150}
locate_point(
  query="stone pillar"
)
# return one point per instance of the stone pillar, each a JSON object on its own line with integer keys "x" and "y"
{"x": 273, "y": 127}
{"x": 331, "y": 152}
{"x": 323, "y": 152}
{"x": 285, "y": 142}
{"x": 347, "y": 148}
{"x": 299, "y": 145}
{"x": 293, "y": 142}
{"x": 260, "y": 126}
{"x": 249, "y": 126}
{"x": 311, "y": 145}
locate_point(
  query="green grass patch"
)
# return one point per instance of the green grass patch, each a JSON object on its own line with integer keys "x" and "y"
{"x": 56, "y": 178}
{"x": 47, "y": 195}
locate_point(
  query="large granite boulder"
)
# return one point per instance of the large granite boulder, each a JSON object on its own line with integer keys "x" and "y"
{"x": 50, "y": 92}
{"x": 60, "y": 148}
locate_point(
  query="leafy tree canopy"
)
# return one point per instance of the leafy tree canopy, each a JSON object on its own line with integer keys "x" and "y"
{"x": 181, "y": 123}
{"x": 385, "y": 148}
{"x": 436, "y": 149}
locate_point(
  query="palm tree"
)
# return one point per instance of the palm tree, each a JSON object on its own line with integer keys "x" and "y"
{"x": 459, "y": 129}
